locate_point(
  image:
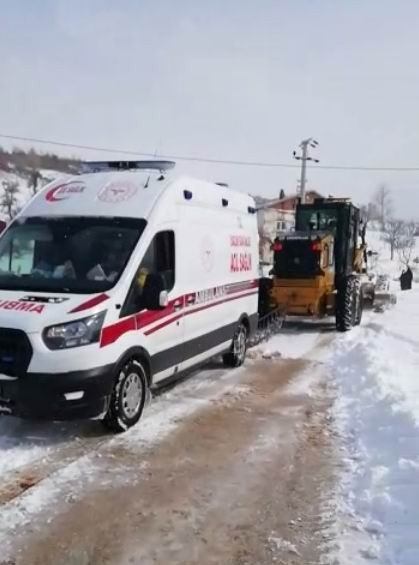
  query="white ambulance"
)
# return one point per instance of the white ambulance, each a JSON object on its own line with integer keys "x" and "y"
{"x": 116, "y": 280}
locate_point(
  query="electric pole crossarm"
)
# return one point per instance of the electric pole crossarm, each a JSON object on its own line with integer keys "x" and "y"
{"x": 305, "y": 144}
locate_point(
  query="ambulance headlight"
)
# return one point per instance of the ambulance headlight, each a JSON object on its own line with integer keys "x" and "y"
{"x": 74, "y": 334}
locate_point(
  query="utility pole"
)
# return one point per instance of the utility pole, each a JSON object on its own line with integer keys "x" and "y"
{"x": 304, "y": 157}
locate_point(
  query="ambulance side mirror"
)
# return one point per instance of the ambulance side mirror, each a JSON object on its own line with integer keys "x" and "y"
{"x": 154, "y": 294}
{"x": 164, "y": 299}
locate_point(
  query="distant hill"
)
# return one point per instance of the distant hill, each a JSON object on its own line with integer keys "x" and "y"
{"x": 23, "y": 162}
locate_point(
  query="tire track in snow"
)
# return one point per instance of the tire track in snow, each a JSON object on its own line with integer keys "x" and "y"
{"x": 35, "y": 452}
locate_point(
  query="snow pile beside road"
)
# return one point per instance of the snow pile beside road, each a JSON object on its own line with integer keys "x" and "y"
{"x": 377, "y": 414}
{"x": 394, "y": 353}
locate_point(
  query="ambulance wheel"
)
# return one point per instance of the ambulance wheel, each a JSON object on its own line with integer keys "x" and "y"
{"x": 237, "y": 354}
{"x": 128, "y": 398}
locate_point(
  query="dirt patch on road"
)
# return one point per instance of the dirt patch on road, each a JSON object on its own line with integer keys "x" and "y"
{"x": 241, "y": 481}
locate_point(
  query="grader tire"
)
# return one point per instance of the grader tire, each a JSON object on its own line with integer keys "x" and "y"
{"x": 359, "y": 302}
{"x": 346, "y": 305}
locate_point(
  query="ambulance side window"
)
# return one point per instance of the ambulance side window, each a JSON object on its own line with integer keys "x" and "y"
{"x": 158, "y": 259}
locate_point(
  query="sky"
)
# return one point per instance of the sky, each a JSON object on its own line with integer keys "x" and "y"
{"x": 227, "y": 79}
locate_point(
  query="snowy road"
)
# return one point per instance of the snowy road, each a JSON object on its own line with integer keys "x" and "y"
{"x": 308, "y": 457}
{"x": 215, "y": 473}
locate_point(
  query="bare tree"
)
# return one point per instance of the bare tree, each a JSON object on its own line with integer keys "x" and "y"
{"x": 383, "y": 204}
{"x": 9, "y": 198}
{"x": 407, "y": 242}
{"x": 368, "y": 212}
{"x": 392, "y": 234}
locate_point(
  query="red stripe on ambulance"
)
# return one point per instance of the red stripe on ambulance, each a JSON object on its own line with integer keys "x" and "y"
{"x": 112, "y": 333}
{"x": 204, "y": 299}
{"x": 95, "y": 301}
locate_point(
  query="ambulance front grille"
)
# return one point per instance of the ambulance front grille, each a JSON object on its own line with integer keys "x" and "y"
{"x": 15, "y": 352}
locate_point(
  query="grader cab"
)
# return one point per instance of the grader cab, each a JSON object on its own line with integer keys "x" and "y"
{"x": 318, "y": 267}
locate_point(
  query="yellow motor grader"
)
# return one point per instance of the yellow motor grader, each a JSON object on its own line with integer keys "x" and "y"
{"x": 319, "y": 268}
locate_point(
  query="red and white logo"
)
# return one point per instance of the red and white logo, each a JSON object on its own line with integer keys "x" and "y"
{"x": 117, "y": 192}
{"x": 64, "y": 191}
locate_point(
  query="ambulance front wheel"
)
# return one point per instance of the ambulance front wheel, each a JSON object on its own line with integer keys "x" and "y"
{"x": 128, "y": 397}
{"x": 237, "y": 354}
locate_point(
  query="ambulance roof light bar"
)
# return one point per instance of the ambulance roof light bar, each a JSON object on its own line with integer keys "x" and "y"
{"x": 104, "y": 166}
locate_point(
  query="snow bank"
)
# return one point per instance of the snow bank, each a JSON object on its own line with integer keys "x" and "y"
{"x": 394, "y": 354}
{"x": 377, "y": 414}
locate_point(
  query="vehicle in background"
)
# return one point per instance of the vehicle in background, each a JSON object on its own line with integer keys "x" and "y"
{"x": 318, "y": 268}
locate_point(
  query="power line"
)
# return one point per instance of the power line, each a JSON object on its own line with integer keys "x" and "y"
{"x": 146, "y": 154}
{"x": 203, "y": 159}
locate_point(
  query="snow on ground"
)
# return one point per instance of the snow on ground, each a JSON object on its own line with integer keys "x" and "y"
{"x": 289, "y": 345}
{"x": 25, "y": 444}
{"x": 161, "y": 417}
{"x": 377, "y": 414}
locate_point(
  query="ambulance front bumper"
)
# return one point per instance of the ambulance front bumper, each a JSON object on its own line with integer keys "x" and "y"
{"x": 65, "y": 396}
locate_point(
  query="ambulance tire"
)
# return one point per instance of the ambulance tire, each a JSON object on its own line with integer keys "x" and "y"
{"x": 237, "y": 354}
{"x": 128, "y": 397}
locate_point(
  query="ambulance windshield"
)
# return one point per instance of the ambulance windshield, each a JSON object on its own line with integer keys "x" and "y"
{"x": 66, "y": 254}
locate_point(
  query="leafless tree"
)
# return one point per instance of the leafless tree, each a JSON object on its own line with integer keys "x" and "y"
{"x": 392, "y": 234}
{"x": 407, "y": 242}
{"x": 368, "y": 212}
{"x": 382, "y": 203}
{"x": 9, "y": 198}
